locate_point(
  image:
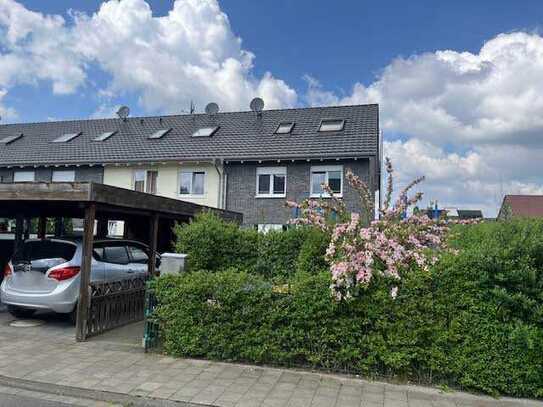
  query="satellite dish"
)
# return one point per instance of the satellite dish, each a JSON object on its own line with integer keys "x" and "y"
{"x": 212, "y": 108}
{"x": 257, "y": 105}
{"x": 123, "y": 112}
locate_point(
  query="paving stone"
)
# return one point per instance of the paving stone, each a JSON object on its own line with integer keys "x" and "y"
{"x": 348, "y": 400}
{"x": 163, "y": 392}
{"x": 149, "y": 386}
{"x": 395, "y": 403}
{"x": 322, "y": 401}
{"x": 206, "y": 397}
{"x": 248, "y": 403}
{"x": 50, "y": 355}
{"x": 297, "y": 401}
{"x": 274, "y": 402}
{"x": 443, "y": 403}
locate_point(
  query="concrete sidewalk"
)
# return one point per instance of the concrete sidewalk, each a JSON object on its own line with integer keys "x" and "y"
{"x": 48, "y": 354}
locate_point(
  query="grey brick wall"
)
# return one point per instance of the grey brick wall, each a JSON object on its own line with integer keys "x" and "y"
{"x": 241, "y": 189}
{"x": 45, "y": 174}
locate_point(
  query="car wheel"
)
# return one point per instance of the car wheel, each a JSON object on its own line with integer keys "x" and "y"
{"x": 18, "y": 312}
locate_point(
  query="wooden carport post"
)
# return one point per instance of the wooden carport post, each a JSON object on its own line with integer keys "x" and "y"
{"x": 153, "y": 237}
{"x": 42, "y": 227}
{"x": 86, "y": 263}
{"x": 19, "y": 232}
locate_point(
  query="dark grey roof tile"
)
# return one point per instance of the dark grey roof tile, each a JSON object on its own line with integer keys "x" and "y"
{"x": 242, "y": 135}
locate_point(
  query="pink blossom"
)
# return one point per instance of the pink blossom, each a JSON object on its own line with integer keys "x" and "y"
{"x": 394, "y": 292}
{"x": 388, "y": 246}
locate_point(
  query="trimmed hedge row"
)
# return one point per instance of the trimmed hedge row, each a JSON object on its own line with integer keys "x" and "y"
{"x": 213, "y": 244}
{"x": 474, "y": 321}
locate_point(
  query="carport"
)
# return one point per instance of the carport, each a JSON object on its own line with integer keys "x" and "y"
{"x": 147, "y": 218}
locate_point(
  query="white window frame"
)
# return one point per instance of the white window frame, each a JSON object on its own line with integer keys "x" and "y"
{"x": 61, "y": 176}
{"x": 145, "y": 171}
{"x": 324, "y": 123}
{"x": 191, "y": 171}
{"x": 326, "y": 169}
{"x": 27, "y": 172}
{"x": 268, "y": 227}
{"x": 271, "y": 171}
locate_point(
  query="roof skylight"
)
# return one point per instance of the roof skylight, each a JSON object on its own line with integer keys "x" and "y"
{"x": 159, "y": 133}
{"x": 332, "y": 125}
{"x": 66, "y": 137}
{"x": 104, "y": 136}
{"x": 10, "y": 139}
{"x": 205, "y": 131}
{"x": 284, "y": 128}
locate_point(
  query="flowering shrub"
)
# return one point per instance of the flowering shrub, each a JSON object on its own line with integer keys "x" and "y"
{"x": 361, "y": 249}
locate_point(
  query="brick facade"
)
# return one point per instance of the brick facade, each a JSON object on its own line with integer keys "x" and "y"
{"x": 241, "y": 188}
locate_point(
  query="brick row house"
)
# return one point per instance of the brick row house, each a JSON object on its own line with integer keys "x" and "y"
{"x": 249, "y": 162}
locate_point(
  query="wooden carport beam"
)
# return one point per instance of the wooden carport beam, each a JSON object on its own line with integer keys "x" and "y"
{"x": 27, "y": 227}
{"x": 59, "y": 227}
{"x": 153, "y": 239}
{"x": 102, "y": 228}
{"x": 84, "y": 274}
{"x": 19, "y": 226}
{"x": 42, "y": 227}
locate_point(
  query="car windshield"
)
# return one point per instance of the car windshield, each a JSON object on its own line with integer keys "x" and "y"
{"x": 44, "y": 249}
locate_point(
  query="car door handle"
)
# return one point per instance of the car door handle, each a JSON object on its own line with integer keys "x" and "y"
{"x": 130, "y": 271}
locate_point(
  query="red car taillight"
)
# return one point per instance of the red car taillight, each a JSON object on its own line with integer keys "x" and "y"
{"x": 8, "y": 271}
{"x": 64, "y": 273}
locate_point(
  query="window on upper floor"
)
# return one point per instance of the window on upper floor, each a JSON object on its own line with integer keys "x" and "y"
{"x": 205, "y": 131}
{"x": 146, "y": 181}
{"x": 192, "y": 183}
{"x": 159, "y": 134}
{"x": 284, "y": 128}
{"x": 332, "y": 125}
{"x": 271, "y": 182}
{"x": 24, "y": 176}
{"x": 63, "y": 176}
{"x": 331, "y": 175}
{"x": 66, "y": 137}
{"x": 10, "y": 139}
{"x": 104, "y": 136}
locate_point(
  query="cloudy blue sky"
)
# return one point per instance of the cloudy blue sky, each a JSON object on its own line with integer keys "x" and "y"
{"x": 460, "y": 83}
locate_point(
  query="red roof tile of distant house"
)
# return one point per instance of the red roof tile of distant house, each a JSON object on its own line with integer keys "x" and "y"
{"x": 530, "y": 206}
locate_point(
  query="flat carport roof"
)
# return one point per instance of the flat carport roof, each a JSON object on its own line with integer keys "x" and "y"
{"x": 69, "y": 199}
{"x": 144, "y": 215}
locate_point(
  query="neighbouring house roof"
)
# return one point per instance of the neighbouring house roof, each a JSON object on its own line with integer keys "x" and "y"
{"x": 469, "y": 213}
{"x": 523, "y": 205}
{"x": 240, "y": 136}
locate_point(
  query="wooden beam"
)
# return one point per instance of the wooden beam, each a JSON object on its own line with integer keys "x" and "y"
{"x": 86, "y": 263}
{"x": 102, "y": 228}
{"x": 42, "y": 227}
{"x": 27, "y": 227}
{"x": 59, "y": 226}
{"x": 19, "y": 230}
{"x": 38, "y": 191}
{"x": 153, "y": 238}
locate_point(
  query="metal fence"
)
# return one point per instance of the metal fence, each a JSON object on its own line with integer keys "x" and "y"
{"x": 116, "y": 303}
{"x": 151, "y": 331}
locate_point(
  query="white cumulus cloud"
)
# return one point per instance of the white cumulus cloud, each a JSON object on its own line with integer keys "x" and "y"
{"x": 189, "y": 54}
{"x": 471, "y": 122}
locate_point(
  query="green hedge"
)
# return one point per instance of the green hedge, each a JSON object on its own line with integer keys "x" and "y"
{"x": 474, "y": 321}
{"x": 213, "y": 244}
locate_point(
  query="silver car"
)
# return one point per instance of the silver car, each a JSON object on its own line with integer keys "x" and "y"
{"x": 44, "y": 274}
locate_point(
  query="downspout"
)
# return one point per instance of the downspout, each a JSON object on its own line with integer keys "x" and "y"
{"x": 218, "y": 163}
{"x": 380, "y": 171}
{"x": 225, "y": 190}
